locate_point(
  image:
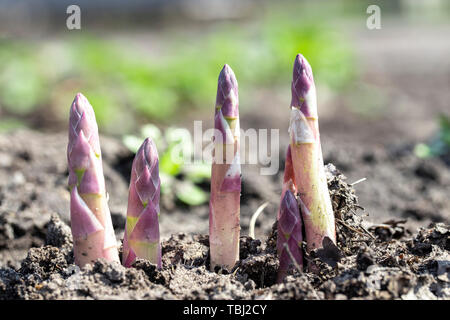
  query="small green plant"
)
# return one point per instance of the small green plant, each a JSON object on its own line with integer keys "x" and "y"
{"x": 439, "y": 144}
{"x": 176, "y": 177}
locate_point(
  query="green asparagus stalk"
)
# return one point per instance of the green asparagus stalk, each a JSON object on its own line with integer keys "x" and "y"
{"x": 91, "y": 224}
{"x": 224, "y": 205}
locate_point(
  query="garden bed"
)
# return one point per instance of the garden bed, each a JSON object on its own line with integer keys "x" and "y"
{"x": 383, "y": 256}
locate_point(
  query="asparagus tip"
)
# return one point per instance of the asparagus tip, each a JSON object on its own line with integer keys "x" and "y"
{"x": 302, "y": 68}
{"x": 303, "y": 88}
{"x": 227, "y": 93}
{"x": 149, "y": 150}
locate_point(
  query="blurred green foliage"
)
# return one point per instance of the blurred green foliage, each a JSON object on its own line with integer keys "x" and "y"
{"x": 9, "y": 124}
{"x": 176, "y": 177}
{"x": 439, "y": 144}
{"x": 126, "y": 86}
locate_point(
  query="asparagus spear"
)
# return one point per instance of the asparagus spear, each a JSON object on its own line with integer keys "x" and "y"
{"x": 290, "y": 237}
{"x": 141, "y": 238}
{"x": 310, "y": 179}
{"x": 91, "y": 224}
{"x": 224, "y": 205}
{"x": 288, "y": 217}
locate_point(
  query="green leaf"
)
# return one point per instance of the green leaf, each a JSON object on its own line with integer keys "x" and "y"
{"x": 166, "y": 183}
{"x": 177, "y": 135}
{"x": 167, "y": 163}
{"x": 132, "y": 142}
{"x": 444, "y": 122}
{"x": 152, "y": 131}
{"x": 191, "y": 194}
{"x": 198, "y": 172}
{"x": 10, "y": 124}
{"x": 152, "y": 101}
{"x": 421, "y": 150}
{"x": 22, "y": 86}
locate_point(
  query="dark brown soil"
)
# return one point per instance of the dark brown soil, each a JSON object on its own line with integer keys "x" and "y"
{"x": 377, "y": 257}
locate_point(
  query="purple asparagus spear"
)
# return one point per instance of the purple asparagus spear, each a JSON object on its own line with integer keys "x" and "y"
{"x": 141, "y": 238}
{"x": 91, "y": 224}
{"x": 306, "y": 151}
{"x": 224, "y": 205}
{"x": 289, "y": 240}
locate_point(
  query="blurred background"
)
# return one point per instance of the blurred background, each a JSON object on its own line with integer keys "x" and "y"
{"x": 149, "y": 67}
{"x": 158, "y": 61}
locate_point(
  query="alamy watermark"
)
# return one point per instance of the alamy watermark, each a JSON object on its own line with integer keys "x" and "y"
{"x": 73, "y": 21}
{"x": 260, "y": 147}
{"x": 374, "y": 20}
